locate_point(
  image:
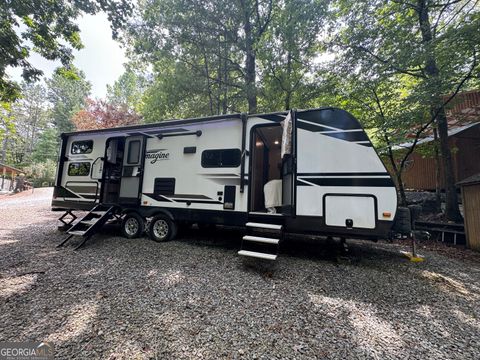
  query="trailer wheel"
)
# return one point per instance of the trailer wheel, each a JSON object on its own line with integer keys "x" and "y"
{"x": 162, "y": 229}
{"x": 132, "y": 225}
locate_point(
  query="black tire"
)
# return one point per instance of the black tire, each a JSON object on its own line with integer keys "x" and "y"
{"x": 162, "y": 229}
{"x": 403, "y": 223}
{"x": 133, "y": 225}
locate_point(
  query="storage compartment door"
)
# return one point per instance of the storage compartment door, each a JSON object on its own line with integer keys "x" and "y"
{"x": 350, "y": 211}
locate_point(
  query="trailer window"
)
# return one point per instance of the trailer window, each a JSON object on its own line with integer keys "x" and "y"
{"x": 79, "y": 169}
{"x": 221, "y": 158}
{"x": 133, "y": 152}
{"x": 82, "y": 147}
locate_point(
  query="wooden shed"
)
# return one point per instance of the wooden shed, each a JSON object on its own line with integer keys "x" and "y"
{"x": 7, "y": 170}
{"x": 471, "y": 210}
{"x": 464, "y": 141}
{"x": 463, "y": 116}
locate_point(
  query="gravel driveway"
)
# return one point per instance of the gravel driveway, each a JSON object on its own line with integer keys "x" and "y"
{"x": 194, "y": 298}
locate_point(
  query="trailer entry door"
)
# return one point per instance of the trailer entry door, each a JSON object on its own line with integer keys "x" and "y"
{"x": 132, "y": 172}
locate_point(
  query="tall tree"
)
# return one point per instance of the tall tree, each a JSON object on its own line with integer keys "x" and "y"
{"x": 128, "y": 90}
{"x": 67, "y": 95}
{"x": 31, "y": 115}
{"x": 389, "y": 110}
{"x": 47, "y": 146}
{"x": 434, "y": 42}
{"x": 217, "y": 42}
{"x": 287, "y": 53}
{"x": 7, "y": 128}
{"x": 46, "y": 27}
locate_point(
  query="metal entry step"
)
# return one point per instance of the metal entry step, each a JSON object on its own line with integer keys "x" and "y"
{"x": 256, "y": 245}
{"x": 261, "y": 239}
{"x": 257, "y": 255}
{"x": 264, "y": 226}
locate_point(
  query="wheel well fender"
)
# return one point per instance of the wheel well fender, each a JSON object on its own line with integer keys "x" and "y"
{"x": 129, "y": 211}
{"x": 162, "y": 212}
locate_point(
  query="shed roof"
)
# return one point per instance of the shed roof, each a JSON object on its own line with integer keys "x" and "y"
{"x": 474, "y": 179}
{"x": 9, "y": 168}
{"x": 451, "y": 132}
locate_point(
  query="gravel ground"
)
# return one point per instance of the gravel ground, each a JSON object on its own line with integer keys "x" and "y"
{"x": 194, "y": 298}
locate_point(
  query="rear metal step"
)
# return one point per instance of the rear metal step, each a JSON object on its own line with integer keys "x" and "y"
{"x": 264, "y": 226}
{"x": 257, "y": 255}
{"x": 261, "y": 239}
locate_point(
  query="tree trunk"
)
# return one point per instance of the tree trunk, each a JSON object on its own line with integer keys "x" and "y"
{"x": 288, "y": 95}
{"x": 438, "y": 174}
{"x": 250, "y": 71}
{"x": 4, "y": 150}
{"x": 250, "y": 57}
{"x": 209, "y": 85}
{"x": 225, "y": 76}
{"x": 402, "y": 198}
{"x": 401, "y": 189}
{"x": 452, "y": 211}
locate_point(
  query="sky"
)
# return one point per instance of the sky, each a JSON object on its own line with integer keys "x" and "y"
{"x": 101, "y": 59}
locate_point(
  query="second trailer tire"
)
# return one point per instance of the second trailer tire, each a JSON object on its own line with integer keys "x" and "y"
{"x": 162, "y": 229}
{"x": 132, "y": 225}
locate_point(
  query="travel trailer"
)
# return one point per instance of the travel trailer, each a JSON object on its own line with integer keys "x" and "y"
{"x": 307, "y": 171}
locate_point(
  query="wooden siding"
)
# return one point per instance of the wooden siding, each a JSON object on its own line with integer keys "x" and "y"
{"x": 465, "y": 146}
{"x": 420, "y": 173}
{"x": 471, "y": 208}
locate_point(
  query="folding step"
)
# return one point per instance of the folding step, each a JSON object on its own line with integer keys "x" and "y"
{"x": 258, "y": 255}
{"x": 260, "y": 239}
{"x": 77, "y": 232}
{"x": 264, "y": 226}
{"x": 89, "y": 222}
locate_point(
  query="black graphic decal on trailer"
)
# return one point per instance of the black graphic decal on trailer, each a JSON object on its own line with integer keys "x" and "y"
{"x": 183, "y": 198}
{"x": 343, "y": 181}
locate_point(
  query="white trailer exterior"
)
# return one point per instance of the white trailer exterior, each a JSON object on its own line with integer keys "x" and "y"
{"x": 213, "y": 171}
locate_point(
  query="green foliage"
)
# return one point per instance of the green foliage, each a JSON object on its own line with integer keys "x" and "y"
{"x": 48, "y": 28}
{"x": 67, "y": 95}
{"x": 433, "y": 45}
{"x": 387, "y": 37}
{"x": 176, "y": 92}
{"x": 287, "y": 53}
{"x": 47, "y": 146}
{"x": 128, "y": 90}
{"x": 196, "y": 60}
{"x": 219, "y": 56}
{"x": 42, "y": 172}
{"x": 7, "y": 120}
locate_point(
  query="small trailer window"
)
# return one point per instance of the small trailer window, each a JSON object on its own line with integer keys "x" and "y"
{"x": 79, "y": 169}
{"x": 221, "y": 158}
{"x": 82, "y": 147}
{"x": 133, "y": 152}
